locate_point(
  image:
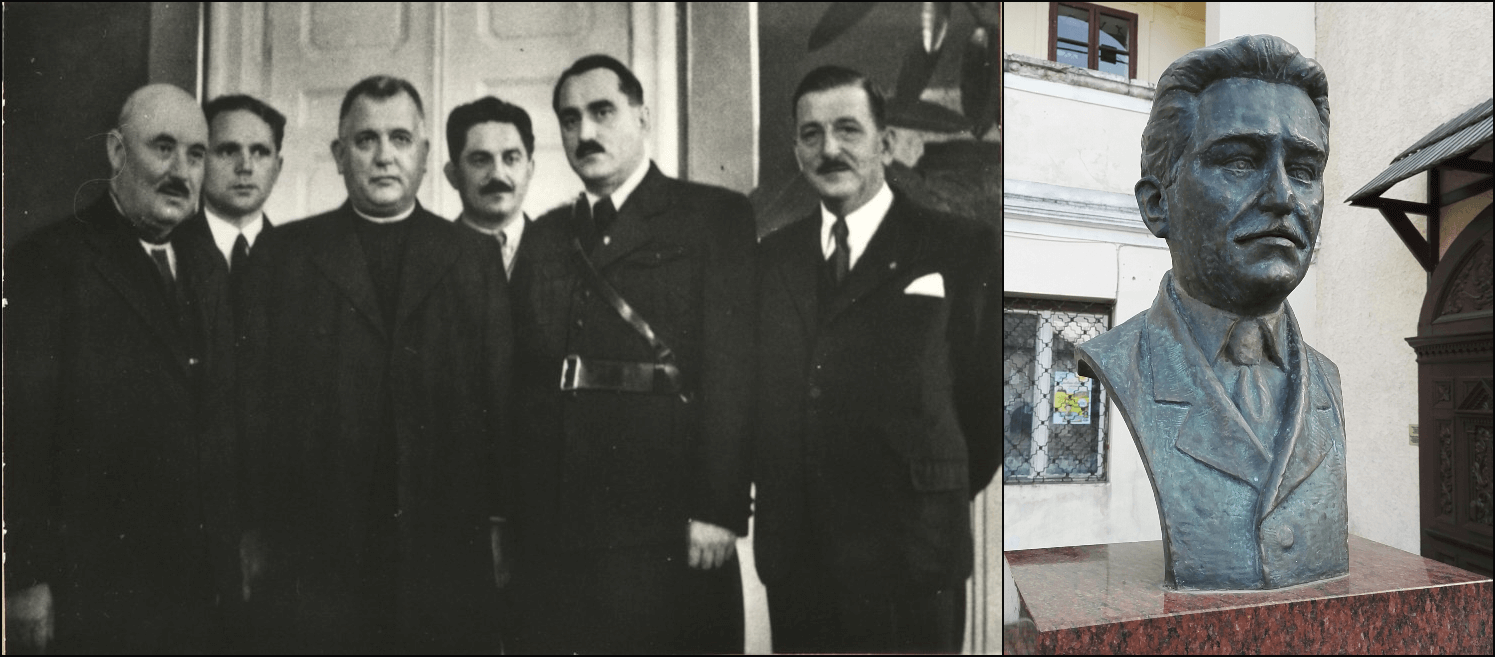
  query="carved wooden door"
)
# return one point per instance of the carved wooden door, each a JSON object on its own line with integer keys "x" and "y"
{"x": 1453, "y": 346}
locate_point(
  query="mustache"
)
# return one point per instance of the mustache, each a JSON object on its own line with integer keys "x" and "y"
{"x": 1283, "y": 231}
{"x": 831, "y": 166}
{"x": 494, "y": 187}
{"x": 174, "y": 186}
{"x": 589, "y": 147}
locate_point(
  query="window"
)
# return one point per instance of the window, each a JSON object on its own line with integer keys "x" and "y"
{"x": 1055, "y": 419}
{"x": 1094, "y": 37}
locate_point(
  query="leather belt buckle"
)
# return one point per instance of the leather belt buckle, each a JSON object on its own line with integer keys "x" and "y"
{"x": 570, "y": 372}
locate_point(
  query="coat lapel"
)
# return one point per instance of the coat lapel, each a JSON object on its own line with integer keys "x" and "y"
{"x": 631, "y": 229}
{"x": 1212, "y": 430}
{"x": 889, "y": 251}
{"x": 799, "y": 269}
{"x": 340, "y": 258}
{"x": 207, "y": 270}
{"x": 123, "y": 263}
{"x": 1306, "y": 441}
{"x": 429, "y": 252}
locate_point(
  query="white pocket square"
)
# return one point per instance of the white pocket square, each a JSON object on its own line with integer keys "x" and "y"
{"x": 929, "y": 285}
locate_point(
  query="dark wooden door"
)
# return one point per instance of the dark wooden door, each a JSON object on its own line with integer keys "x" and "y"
{"x": 1453, "y": 346}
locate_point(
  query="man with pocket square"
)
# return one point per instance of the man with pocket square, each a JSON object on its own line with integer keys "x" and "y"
{"x": 878, "y": 395}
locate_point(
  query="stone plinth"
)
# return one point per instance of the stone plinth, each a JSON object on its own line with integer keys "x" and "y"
{"x": 1109, "y": 599}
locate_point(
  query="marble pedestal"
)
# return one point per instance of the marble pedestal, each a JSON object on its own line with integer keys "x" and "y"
{"x": 1109, "y": 599}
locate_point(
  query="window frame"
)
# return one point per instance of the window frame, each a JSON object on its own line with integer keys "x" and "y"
{"x": 1094, "y": 39}
{"x": 1039, "y": 437}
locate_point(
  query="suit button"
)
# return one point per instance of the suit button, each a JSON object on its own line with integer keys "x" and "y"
{"x": 1285, "y": 536}
{"x": 814, "y": 392}
{"x": 579, "y": 323}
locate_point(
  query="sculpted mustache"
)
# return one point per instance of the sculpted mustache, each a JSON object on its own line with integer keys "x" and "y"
{"x": 588, "y": 148}
{"x": 832, "y": 165}
{"x": 496, "y": 186}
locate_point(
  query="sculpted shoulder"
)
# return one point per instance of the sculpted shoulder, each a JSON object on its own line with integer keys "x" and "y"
{"x": 1116, "y": 350}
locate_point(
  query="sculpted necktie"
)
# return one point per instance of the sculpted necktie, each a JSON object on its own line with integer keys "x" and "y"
{"x": 1253, "y": 396}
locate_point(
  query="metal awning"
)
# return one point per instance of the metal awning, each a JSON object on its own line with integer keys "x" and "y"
{"x": 1448, "y": 146}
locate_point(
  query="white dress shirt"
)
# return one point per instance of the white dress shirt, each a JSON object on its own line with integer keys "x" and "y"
{"x": 225, "y": 233}
{"x": 861, "y": 225}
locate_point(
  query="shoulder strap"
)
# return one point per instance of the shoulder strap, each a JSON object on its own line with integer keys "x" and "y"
{"x": 662, "y": 351}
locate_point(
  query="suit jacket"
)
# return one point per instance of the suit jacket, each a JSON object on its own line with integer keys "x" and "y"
{"x": 879, "y": 411}
{"x": 326, "y": 380}
{"x": 114, "y": 493}
{"x": 602, "y": 469}
{"x": 1238, "y": 511}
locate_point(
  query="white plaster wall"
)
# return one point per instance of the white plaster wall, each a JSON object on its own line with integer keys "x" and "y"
{"x": 1293, "y": 21}
{"x": 1075, "y": 144}
{"x": 1395, "y": 73}
{"x": 1165, "y": 30}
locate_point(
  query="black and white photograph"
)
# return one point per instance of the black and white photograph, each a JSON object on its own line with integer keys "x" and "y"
{"x": 505, "y": 328}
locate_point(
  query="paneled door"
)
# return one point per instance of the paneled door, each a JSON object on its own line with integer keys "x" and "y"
{"x": 302, "y": 57}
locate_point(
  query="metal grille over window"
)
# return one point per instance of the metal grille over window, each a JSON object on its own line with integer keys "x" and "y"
{"x": 1055, "y": 419}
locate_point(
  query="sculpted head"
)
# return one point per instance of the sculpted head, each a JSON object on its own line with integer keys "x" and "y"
{"x": 840, "y": 136}
{"x": 381, "y": 145}
{"x": 244, "y": 158}
{"x": 156, "y": 157}
{"x": 1232, "y": 170}
{"x": 492, "y": 148}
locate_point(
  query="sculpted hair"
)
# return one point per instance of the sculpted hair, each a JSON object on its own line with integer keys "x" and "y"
{"x": 380, "y": 87}
{"x": 627, "y": 82}
{"x": 831, "y": 77}
{"x": 484, "y": 110}
{"x": 1175, "y": 104}
{"x": 255, "y": 106}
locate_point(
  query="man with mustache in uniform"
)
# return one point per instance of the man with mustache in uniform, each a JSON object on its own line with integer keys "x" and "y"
{"x": 120, "y": 530}
{"x": 632, "y": 315}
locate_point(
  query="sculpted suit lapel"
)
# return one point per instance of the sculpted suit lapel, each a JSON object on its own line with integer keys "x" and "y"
{"x": 1211, "y": 430}
{"x": 124, "y": 264}
{"x": 630, "y": 229}
{"x": 338, "y": 255}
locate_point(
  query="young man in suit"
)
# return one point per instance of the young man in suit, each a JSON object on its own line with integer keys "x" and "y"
{"x": 492, "y": 147}
{"x": 120, "y": 535}
{"x": 379, "y": 346}
{"x": 631, "y": 482}
{"x": 879, "y": 403}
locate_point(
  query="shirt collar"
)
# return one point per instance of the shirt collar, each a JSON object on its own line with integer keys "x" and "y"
{"x": 514, "y": 229}
{"x": 225, "y": 232}
{"x": 861, "y": 224}
{"x": 1212, "y": 326}
{"x": 387, "y": 220}
{"x": 621, "y": 194}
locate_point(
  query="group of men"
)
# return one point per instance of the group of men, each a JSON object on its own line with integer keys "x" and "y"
{"x": 376, "y": 430}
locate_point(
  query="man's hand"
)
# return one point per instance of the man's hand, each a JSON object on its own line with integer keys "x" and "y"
{"x": 28, "y": 613}
{"x": 251, "y": 562}
{"x": 710, "y": 545}
{"x": 502, "y": 559}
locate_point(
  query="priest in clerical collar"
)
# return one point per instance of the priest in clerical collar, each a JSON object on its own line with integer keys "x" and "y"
{"x": 1240, "y": 423}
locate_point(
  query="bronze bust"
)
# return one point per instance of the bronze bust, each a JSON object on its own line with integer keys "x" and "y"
{"x": 1239, "y": 422}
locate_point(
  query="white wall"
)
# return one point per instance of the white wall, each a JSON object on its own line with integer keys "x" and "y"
{"x": 1395, "y": 73}
{"x": 1062, "y": 135}
{"x": 1293, "y": 21}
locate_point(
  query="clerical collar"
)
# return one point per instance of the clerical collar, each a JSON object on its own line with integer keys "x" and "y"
{"x": 620, "y": 195}
{"x": 1211, "y": 326}
{"x": 386, "y": 220}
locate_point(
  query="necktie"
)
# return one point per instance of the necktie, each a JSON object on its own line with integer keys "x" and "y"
{"x": 603, "y": 215}
{"x": 503, "y": 250}
{"x": 841, "y": 258}
{"x": 239, "y": 255}
{"x": 1252, "y": 392}
{"x": 163, "y": 269}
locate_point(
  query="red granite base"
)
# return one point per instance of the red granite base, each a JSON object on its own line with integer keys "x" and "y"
{"x": 1109, "y": 599}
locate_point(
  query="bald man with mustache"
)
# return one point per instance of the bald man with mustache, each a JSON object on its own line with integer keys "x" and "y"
{"x": 118, "y": 509}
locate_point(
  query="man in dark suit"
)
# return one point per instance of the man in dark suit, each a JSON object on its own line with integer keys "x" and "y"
{"x": 379, "y": 344}
{"x": 492, "y": 146}
{"x": 244, "y": 161}
{"x": 118, "y": 508}
{"x": 879, "y": 405}
{"x": 631, "y": 482}
{"x": 1239, "y": 421}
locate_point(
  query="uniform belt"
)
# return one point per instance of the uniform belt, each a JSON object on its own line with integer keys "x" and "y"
{"x": 579, "y": 373}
